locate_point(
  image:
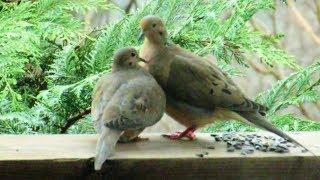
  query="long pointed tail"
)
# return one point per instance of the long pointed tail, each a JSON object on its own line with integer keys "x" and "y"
{"x": 260, "y": 121}
{"x": 105, "y": 146}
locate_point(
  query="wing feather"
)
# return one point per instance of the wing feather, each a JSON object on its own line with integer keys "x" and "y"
{"x": 197, "y": 82}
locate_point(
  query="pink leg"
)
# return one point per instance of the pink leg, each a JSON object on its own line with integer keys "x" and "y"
{"x": 188, "y": 133}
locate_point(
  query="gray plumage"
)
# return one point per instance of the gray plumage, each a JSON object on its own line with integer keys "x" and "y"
{"x": 127, "y": 99}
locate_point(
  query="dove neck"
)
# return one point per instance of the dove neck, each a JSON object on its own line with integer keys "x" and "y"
{"x": 154, "y": 45}
{"x": 117, "y": 67}
{"x": 150, "y": 51}
{"x": 159, "y": 60}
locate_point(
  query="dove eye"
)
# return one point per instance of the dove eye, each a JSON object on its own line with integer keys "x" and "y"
{"x": 130, "y": 63}
{"x": 154, "y": 25}
{"x": 133, "y": 54}
{"x": 161, "y": 33}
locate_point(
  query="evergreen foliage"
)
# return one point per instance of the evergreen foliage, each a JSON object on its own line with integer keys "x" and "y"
{"x": 49, "y": 65}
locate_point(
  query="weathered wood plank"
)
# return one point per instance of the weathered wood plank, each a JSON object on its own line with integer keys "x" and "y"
{"x": 70, "y": 156}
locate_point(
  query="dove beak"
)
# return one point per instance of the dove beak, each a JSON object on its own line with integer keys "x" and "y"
{"x": 141, "y": 36}
{"x": 143, "y": 60}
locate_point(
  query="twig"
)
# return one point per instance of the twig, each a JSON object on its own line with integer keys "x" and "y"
{"x": 304, "y": 111}
{"x": 277, "y": 76}
{"x": 303, "y": 22}
{"x": 74, "y": 118}
{"x": 267, "y": 71}
{"x": 309, "y": 5}
{"x": 129, "y": 6}
{"x": 318, "y": 105}
{"x": 317, "y": 10}
{"x": 274, "y": 22}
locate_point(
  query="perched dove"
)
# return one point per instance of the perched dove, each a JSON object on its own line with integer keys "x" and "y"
{"x": 197, "y": 91}
{"x": 126, "y": 100}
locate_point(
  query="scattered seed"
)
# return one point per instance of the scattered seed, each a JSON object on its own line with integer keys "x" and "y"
{"x": 243, "y": 153}
{"x": 249, "y": 148}
{"x": 248, "y": 143}
{"x": 211, "y": 147}
{"x": 230, "y": 149}
{"x": 238, "y": 146}
{"x": 200, "y": 155}
{"x": 248, "y": 152}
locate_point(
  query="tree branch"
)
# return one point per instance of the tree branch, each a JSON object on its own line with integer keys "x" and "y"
{"x": 74, "y": 118}
{"x": 129, "y": 6}
{"x": 276, "y": 74}
{"x": 317, "y": 10}
{"x": 303, "y": 22}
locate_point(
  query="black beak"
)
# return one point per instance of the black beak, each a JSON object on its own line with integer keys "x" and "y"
{"x": 143, "y": 60}
{"x": 141, "y": 36}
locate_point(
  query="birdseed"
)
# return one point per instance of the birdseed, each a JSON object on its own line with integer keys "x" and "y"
{"x": 210, "y": 147}
{"x": 248, "y": 143}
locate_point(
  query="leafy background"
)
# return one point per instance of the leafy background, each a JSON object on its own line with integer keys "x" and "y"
{"x": 51, "y": 57}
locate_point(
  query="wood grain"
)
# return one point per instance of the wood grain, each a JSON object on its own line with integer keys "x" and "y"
{"x": 71, "y": 157}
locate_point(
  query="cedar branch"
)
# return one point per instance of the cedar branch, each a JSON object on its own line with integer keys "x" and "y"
{"x": 74, "y": 118}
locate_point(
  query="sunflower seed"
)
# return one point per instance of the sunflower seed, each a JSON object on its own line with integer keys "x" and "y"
{"x": 210, "y": 147}
{"x": 230, "y": 149}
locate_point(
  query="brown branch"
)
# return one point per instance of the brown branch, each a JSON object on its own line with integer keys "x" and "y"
{"x": 278, "y": 76}
{"x": 309, "y": 4}
{"x": 304, "y": 111}
{"x": 317, "y": 10}
{"x": 265, "y": 70}
{"x": 129, "y": 6}
{"x": 318, "y": 105}
{"x": 74, "y": 118}
{"x": 303, "y": 22}
{"x": 274, "y": 21}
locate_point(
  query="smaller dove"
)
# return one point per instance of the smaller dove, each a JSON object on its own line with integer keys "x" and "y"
{"x": 124, "y": 101}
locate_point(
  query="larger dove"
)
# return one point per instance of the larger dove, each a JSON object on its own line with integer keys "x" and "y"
{"x": 126, "y": 100}
{"x": 197, "y": 91}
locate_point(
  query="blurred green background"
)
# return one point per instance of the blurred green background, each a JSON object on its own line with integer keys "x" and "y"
{"x": 52, "y": 52}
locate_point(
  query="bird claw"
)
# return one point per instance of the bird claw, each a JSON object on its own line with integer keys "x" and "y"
{"x": 133, "y": 140}
{"x": 179, "y": 135}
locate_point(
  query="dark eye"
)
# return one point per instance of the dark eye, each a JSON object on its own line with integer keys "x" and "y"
{"x": 154, "y": 25}
{"x": 130, "y": 63}
{"x": 133, "y": 54}
{"x": 161, "y": 33}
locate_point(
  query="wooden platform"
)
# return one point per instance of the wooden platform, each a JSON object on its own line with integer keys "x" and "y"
{"x": 71, "y": 156}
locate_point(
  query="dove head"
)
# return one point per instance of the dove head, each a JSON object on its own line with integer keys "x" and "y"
{"x": 153, "y": 29}
{"x": 126, "y": 58}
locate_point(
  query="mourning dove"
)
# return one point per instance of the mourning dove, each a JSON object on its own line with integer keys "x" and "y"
{"x": 197, "y": 91}
{"x": 128, "y": 99}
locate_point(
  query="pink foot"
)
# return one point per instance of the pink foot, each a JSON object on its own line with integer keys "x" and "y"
{"x": 188, "y": 133}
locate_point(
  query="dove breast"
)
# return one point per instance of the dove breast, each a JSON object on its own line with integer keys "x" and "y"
{"x": 130, "y": 100}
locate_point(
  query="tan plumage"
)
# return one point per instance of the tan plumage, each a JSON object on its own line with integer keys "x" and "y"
{"x": 197, "y": 91}
{"x": 124, "y": 102}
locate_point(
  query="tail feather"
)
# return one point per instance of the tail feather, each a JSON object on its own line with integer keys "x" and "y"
{"x": 105, "y": 146}
{"x": 260, "y": 121}
{"x": 249, "y": 106}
